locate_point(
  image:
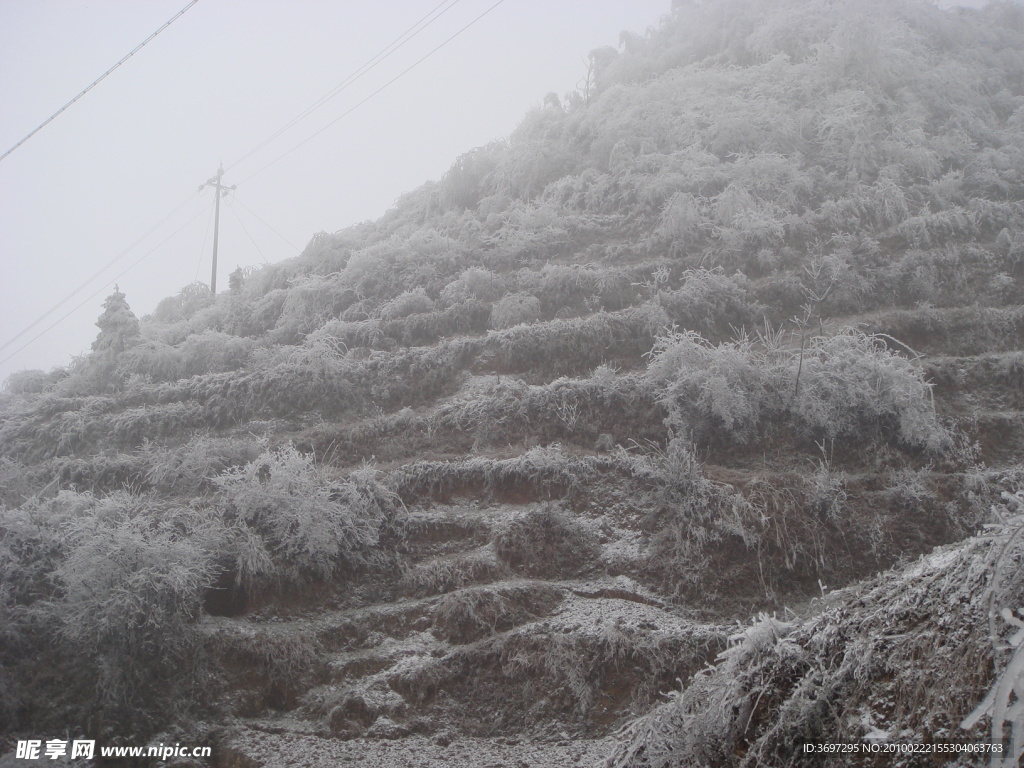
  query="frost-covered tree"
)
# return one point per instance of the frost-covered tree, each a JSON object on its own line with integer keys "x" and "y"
{"x": 104, "y": 370}
{"x": 119, "y": 327}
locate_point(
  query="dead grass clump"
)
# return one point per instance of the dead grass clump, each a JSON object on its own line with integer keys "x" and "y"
{"x": 274, "y": 669}
{"x": 591, "y": 677}
{"x": 710, "y": 302}
{"x": 472, "y": 614}
{"x": 506, "y": 410}
{"x": 577, "y": 346}
{"x": 191, "y": 468}
{"x": 546, "y": 541}
{"x": 542, "y": 472}
{"x": 692, "y": 516}
{"x": 515, "y": 309}
{"x": 408, "y": 303}
{"x": 450, "y": 573}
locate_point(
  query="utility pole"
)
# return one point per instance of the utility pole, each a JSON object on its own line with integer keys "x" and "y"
{"x": 215, "y": 182}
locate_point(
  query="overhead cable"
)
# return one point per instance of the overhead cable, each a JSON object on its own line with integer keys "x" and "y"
{"x": 360, "y": 103}
{"x": 248, "y": 234}
{"x": 102, "y": 288}
{"x": 257, "y": 216}
{"x": 384, "y": 53}
{"x": 99, "y": 79}
{"x": 96, "y": 274}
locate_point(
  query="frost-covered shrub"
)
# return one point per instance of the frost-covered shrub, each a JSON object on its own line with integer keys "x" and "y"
{"x": 705, "y": 386}
{"x": 261, "y": 315}
{"x": 683, "y": 220}
{"x": 475, "y": 283}
{"x": 347, "y": 335}
{"x": 33, "y": 544}
{"x": 851, "y": 382}
{"x": 153, "y": 360}
{"x": 407, "y": 303}
{"x": 515, "y": 309}
{"x": 29, "y": 382}
{"x": 214, "y": 317}
{"x": 447, "y": 574}
{"x": 832, "y": 286}
{"x": 194, "y": 465}
{"x": 475, "y": 613}
{"x": 131, "y": 587}
{"x": 690, "y": 515}
{"x": 214, "y": 352}
{"x": 18, "y": 482}
{"x": 570, "y": 347}
{"x": 309, "y": 302}
{"x": 327, "y": 252}
{"x": 373, "y": 270}
{"x": 463, "y": 185}
{"x": 189, "y": 300}
{"x": 709, "y": 301}
{"x": 290, "y": 526}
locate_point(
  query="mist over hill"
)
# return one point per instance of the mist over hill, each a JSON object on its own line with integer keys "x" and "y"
{"x": 731, "y": 337}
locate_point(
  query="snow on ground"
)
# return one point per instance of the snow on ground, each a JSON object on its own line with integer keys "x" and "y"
{"x": 255, "y": 749}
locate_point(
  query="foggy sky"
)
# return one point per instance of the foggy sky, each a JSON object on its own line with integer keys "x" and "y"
{"x": 213, "y": 86}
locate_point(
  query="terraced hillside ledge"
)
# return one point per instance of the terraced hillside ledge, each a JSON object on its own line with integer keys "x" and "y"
{"x": 684, "y": 426}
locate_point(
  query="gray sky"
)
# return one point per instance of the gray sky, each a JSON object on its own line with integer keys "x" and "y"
{"x": 212, "y": 87}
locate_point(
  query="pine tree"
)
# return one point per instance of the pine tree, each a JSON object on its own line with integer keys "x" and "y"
{"x": 119, "y": 327}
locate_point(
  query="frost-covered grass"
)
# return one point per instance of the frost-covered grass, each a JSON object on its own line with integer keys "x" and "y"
{"x": 118, "y": 580}
{"x": 546, "y": 541}
{"x": 742, "y": 161}
{"x": 873, "y": 653}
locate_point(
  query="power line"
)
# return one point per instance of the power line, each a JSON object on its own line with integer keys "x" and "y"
{"x": 250, "y": 210}
{"x": 360, "y": 103}
{"x": 251, "y": 238}
{"x": 99, "y": 79}
{"x": 384, "y": 53}
{"x": 100, "y": 289}
{"x": 373, "y": 62}
{"x": 96, "y": 274}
